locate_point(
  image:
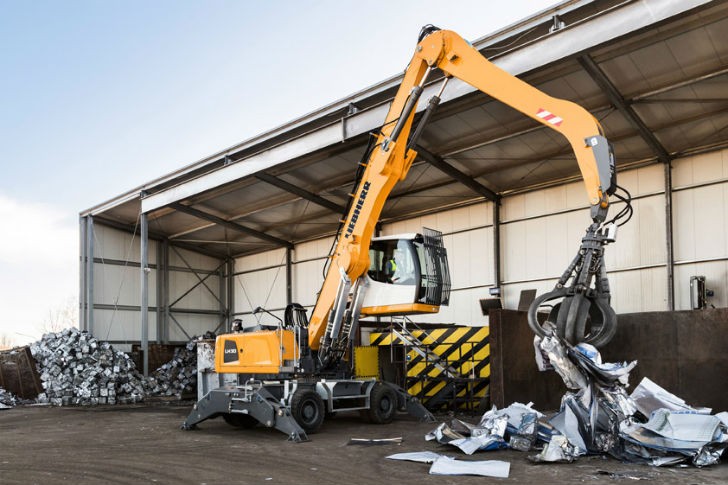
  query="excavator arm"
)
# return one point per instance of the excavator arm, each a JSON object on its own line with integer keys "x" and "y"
{"x": 392, "y": 155}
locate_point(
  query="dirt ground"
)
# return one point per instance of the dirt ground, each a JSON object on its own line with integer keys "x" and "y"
{"x": 143, "y": 444}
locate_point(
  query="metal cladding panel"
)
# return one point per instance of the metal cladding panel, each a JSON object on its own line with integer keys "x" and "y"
{"x": 470, "y": 257}
{"x": 318, "y": 248}
{"x": 193, "y": 324}
{"x": 448, "y": 221}
{"x": 541, "y": 247}
{"x": 200, "y": 298}
{"x": 464, "y": 309}
{"x": 264, "y": 288}
{"x": 111, "y": 243}
{"x": 641, "y": 241}
{"x": 640, "y": 290}
{"x": 643, "y": 181}
{"x": 119, "y": 285}
{"x": 307, "y": 280}
{"x": 178, "y": 257}
{"x": 700, "y": 169}
{"x": 511, "y": 292}
{"x": 122, "y": 325}
{"x": 701, "y": 223}
{"x": 275, "y": 257}
{"x": 701, "y": 213}
{"x": 716, "y": 279}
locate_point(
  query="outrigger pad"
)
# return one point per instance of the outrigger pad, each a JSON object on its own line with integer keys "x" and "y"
{"x": 410, "y": 404}
{"x": 257, "y": 403}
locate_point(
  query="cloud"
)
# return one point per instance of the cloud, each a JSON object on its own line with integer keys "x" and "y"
{"x": 38, "y": 265}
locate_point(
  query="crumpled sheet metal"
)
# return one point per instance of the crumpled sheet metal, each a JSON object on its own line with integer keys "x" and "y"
{"x": 487, "y": 435}
{"x": 417, "y": 456}
{"x": 649, "y": 397}
{"x": 557, "y": 450}
{"x": 558, "y": 358}
{"x": 601, "y": 417}
{"x": 446, "y": 465}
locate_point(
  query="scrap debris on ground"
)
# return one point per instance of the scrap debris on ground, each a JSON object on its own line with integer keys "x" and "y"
{"x": 8, "y": 399}
{"x": 597, "y": 416}
{"x": 77, "y": 369}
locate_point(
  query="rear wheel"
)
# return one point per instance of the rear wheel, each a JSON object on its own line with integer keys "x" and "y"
{"x": 383, "y": 404}
{"x": 307, "y": 409}
{"x": 240, "y": 420}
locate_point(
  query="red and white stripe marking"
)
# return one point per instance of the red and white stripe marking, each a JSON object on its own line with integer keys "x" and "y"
{"x": 549, "y": 117}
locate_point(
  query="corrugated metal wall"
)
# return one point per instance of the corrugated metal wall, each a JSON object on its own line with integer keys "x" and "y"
{"x": 540, "y": 234}
{"x": 700, "y": 202}
{"x": 117, "y": 290}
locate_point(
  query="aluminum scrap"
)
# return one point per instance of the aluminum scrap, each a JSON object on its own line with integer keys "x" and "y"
{"x": 651, "y": 426}
{"x": 7, "y": 399}
{"x": 77, "y": 369}
{"x": 487, "y": 435}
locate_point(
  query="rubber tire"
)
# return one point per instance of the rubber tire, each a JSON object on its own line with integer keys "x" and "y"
{"x": 240, "y": 420}
{"x": 383, "y": 404}
{"x": 307, "y": 408}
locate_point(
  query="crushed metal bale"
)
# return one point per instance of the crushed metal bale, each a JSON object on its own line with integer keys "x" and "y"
{"x": 597, "y": 416}
{"x": 77, "y": 369}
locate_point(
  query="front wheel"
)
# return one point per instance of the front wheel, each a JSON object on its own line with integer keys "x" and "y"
{"x": 307, "y": 409}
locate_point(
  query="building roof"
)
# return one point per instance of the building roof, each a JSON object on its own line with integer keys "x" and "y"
{"x": 654, "y": 72}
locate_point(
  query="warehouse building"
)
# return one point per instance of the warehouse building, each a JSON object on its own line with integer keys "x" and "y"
{"x": 252, "y": 225}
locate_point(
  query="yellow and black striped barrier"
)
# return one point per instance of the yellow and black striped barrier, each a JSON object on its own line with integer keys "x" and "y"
{"x": 447, "y": 366}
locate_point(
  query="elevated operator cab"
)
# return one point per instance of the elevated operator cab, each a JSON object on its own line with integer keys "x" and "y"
{"x": 408, "y": 274}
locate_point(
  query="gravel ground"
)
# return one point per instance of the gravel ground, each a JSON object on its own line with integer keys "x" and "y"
{"x": 143, "y": 444}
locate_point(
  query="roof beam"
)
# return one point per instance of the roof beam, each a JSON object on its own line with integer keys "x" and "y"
{"x": 230, "y": 225}
{"x": 304, "y": 194}
{"x": 623, "y": 106}
{"x": 439, "y": 163}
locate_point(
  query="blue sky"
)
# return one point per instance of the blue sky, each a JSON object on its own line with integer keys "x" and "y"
{"x": 97, "y": 97}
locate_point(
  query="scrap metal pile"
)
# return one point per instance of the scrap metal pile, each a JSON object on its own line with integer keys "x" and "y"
{"x": 597, "y": 416}
{"x": 179, "y": 375}
{"x": 77, "y": 369}
{"x": 7, "y": 399}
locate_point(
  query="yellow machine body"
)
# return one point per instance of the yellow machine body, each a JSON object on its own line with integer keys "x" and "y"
{"x": 262, "y": 352}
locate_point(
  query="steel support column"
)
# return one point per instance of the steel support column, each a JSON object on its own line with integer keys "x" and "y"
{"x": 221, "y": 293}
{"x": 670, "y": 259}
{"x": 90, "y": 274}
{"x": 496, "y": 245}
{"x": 82, "y": 262}
{"x": 289, "y": 276}
{"x": 144, "y": 275}
{"x": 165, "y": 290}
{"x": 230, "y": 292}
{"x": 160, "y": 284}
